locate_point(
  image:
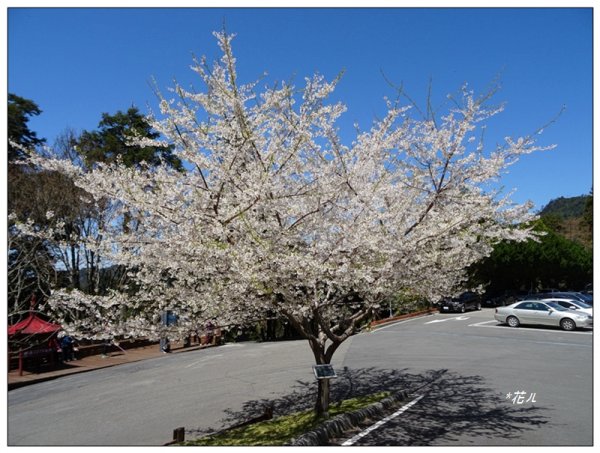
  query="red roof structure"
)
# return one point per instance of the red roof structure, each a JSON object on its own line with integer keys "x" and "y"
{"x": 33, "y": 325}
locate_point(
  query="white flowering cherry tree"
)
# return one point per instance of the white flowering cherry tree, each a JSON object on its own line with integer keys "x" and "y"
{"x": 276, "y": 214}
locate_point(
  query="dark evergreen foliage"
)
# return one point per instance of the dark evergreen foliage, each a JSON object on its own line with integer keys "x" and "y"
{"x": 112, "y": 141}
{"x": 20, "y": 111}
{"x": 553, "y": 262}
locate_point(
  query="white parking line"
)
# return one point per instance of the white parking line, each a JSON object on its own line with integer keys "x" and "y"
{"x": 456, "y": 318}
{"x": 381, "y": 422}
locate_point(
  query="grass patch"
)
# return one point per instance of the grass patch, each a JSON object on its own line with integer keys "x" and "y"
{"x": 281, "y": 430}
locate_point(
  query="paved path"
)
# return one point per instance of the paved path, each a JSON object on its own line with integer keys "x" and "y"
{"x": 142, "y": 403}
{"x": 93, "y": 362}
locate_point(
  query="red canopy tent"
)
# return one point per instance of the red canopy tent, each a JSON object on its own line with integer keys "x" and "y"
{"x": 33, "y": 325}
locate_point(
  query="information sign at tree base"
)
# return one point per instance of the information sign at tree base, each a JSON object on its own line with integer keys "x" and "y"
{"x": 324, "y": 371}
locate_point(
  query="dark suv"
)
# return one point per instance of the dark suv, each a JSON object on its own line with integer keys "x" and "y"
{"x": 462, "y": 303}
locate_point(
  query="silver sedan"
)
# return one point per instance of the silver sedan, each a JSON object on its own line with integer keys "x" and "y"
{"x": 542, "y": 313}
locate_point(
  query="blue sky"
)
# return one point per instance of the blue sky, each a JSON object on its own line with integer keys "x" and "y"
{"x": 77, "y": 63}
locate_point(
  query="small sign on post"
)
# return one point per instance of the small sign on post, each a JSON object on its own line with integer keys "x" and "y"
{"x": 324, "y": 371}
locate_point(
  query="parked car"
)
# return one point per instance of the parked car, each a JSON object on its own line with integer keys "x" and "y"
{"x": 501, "y": 299}
{"x": 571, "y": 304}
{"x": 462, "y": 303}
{"x": 537, "y": 312}
{"x": 588, "y": 299}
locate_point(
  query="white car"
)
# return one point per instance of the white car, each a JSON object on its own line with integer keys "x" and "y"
{"x": 571, "y": 304}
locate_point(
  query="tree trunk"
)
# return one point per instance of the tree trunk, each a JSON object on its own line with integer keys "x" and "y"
{"x": 323, "y": 354}
{"x": 75, "y": 282}
{"x": 322, "y": 405}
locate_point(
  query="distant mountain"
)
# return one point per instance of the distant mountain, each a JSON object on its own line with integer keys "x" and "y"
{"x": 566, "y": 207}
{"x": 571, "y": 217}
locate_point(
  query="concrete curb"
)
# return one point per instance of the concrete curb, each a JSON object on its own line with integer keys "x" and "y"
{"x": 52, "y": 377}
{"x": 384, "y": 322}
{"x": 337, "y": 426}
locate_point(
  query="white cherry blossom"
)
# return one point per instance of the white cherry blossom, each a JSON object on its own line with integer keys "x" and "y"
{"x": 277, "y": 215}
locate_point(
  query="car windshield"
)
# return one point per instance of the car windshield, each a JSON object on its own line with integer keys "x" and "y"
{"x": 581, "y": 304}
{"x": 556, "y": 306}
{"x": 464, "y": 297}
{"x": 569, "y": 302}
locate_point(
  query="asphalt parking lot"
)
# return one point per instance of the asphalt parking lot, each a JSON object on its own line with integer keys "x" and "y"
{"x": 475, "y": 383}
{"x": 480, "y": 382}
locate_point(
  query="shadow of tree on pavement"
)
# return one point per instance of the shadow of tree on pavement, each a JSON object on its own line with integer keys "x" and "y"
{"x": 453, "y": 405}
{"x": 455, "y": 410}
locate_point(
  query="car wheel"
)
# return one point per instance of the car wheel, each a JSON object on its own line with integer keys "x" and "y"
{"x": 567, "y": 324}
{"x": 462, "y": 309}
{"x": 512, "y": 321}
